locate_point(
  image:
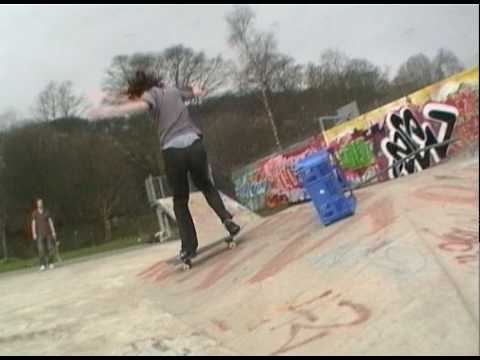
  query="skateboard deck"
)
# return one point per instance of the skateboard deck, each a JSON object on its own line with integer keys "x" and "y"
{"x": 204, "y": 253}
{"x": 57, "y": 252}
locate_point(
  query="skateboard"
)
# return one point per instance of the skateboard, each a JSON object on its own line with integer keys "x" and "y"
{"x": 187, "y": 264}
{"x": 57, "y": 251}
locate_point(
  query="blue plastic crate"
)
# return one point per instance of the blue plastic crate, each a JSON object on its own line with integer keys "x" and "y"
{"x": 336, "y": 210}
{"x": 314, "y": 167}
{"x": 341, "y": 178}
{"x": 325, "y": 188}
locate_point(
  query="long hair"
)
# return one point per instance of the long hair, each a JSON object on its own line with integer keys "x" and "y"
{"x": 142, "y": 81}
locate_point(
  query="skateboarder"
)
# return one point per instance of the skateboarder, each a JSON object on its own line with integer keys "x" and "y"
{"x": 43, "y": 233}
{"x": 182, "y": 149}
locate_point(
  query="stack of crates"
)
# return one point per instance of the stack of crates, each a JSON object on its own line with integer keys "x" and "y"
{"x": 326, "y": 187}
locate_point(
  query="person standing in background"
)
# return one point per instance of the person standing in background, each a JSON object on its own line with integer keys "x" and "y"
{"x": 43, "y": 232}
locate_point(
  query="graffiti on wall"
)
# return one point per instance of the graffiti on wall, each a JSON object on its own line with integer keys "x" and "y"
{"x": 355, "y": 155}
{"x": 272, "y": 181}
{"x": 407, "y": 135}
{"x": 250, "y": 190}
{"x": 366, "y": 145}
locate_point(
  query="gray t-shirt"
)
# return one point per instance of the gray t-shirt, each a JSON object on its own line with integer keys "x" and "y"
{"x": 181, "y": 141}
{"x": 170, "y": 113}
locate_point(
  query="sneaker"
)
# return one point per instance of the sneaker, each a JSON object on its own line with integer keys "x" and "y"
{"x": 42, "y": 268}
{"x": 231, "y": 227}
{"x": 181, "y": 255}
{"x": 184, "y": 255}
{"x": 51, "y": 266}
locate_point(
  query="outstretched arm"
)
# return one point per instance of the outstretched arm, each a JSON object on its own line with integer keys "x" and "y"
{"x": 194, "y": 90}
{"x": 130, "y": 108}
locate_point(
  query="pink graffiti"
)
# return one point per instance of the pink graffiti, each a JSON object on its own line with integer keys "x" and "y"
{"x": 460, "y": 241}
{"x": 464, "y": 100}
{"x": 278, "y": 172}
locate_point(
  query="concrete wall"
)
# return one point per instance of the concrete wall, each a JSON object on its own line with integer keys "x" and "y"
{"x": 373, "y": 141}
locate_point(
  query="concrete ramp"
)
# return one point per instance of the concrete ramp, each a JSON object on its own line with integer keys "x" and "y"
{"x": 208, "y": 226}
{"x": 400, "y": 277}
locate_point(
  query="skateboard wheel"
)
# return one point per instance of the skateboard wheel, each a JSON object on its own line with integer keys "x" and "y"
{"x": 186, "y": 267}
{"x": 232, "y": 245}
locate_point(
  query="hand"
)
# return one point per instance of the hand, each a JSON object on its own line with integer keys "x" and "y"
{"x": 197, "y": 90}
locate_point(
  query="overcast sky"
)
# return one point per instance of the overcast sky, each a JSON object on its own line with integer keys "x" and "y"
{"x": 39, "y": 43}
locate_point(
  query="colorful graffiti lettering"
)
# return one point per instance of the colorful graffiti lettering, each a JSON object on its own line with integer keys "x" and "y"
{"x": 279, "y": 174}
{"x": 407, "y": 135}
{"x": 272, "y": 181}
{"x": 250, "y": 190}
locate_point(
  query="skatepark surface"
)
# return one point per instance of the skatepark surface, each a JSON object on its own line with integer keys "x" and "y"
{"x": 400, "y": 277}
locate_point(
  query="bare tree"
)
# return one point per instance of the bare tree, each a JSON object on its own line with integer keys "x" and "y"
{"x": 58, "y": 100}
{"x": 414, "y": 74}
{"x": 181, "y": 64}
{"x": 69, "y": 104}
{"x": 444, "y": 64}
{"x": 46, "y": 107}
{"x": 419, "y": 71}
{"x": 365, "y": 82}
{"x": 108, "y": 176}
{"x": 338, "y": 79}
{"x": 288, "y": 76}
{"x": 177, "y": 65}
{"x": 329, "y": 73}
{"x": 263, "y": 67}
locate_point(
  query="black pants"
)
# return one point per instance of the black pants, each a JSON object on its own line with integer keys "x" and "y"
{"x": 178, "y": 163}
{"x": 45, "y": 248}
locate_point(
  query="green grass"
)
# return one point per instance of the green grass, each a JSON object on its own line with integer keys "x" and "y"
{"x": 17, "y": 264}
{"x": 93, "y": 250}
